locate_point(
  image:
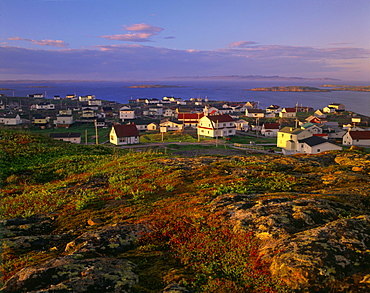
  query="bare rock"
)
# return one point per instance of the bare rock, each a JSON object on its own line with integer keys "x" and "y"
{"x": 67, "y": 274}
{"x": 107, "y": 240}
{"x": 325, "y": 256}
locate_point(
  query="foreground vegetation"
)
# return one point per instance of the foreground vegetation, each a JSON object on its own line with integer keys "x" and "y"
{"x": 189, "y": 243}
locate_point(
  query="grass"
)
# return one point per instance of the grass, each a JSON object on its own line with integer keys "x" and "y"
{"x": 103, "y": 133}
{"x": 189, "y": 242}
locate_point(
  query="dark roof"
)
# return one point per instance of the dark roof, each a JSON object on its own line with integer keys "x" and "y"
{"x": 271, "y": 125}
{"x": 221, "y": 118}
{"x": 126, "y": 130}
{"x": 255, "y": 111}
{"x": 314, "y": 140}
{"x": 144, "y": 121}
{"x": 190, "y": 115}
{"x": 65, "y": 135}
{"x": 360, "y": 134}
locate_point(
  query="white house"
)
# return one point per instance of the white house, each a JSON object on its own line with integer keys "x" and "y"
{"x": 11, "y": 119}
{"x": 172, "y": 125}
{"x": 43, "y": 106}
{"x": 288, "y": 113}
{"x": 270, "y": 129}
{"x": 359, "y": 138}
{"x": 124, "y": 134}
{"x": 73, "y": 137}
{"x": 64, "y": 121}
{"x": 216, "y": 126}
{"x": 242, "y": 125}
{"x": 126, "y": 114}
{"x": 254, "y": 113}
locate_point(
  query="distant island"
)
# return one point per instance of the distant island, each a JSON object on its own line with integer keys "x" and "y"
{"x": 288, "y": 89}
{"x": 254, "y": 77}
{"x": 358, "y": 88}
{"x": 151, "y": 86}
{"x": 5, "y": 89}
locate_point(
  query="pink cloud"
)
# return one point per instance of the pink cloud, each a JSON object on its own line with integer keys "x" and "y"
{"x": 143, "y": 27}
{"x": 241, "y": 44}
{"x": 138, "y": 37}
{"x": 53, "y": 43}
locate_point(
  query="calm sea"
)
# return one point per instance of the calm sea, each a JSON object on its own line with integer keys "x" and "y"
{"x": 358, "y": 102}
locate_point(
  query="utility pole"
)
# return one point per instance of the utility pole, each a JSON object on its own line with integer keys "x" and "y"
{"x": 216, "y": 132}
{"x": 86, "y": 136}
{"x": 96, "y": 132}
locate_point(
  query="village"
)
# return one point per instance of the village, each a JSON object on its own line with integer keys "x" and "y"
{"x": 290, "y": 130}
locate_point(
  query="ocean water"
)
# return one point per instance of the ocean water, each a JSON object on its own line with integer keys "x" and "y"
{"x": 358, "y": 102}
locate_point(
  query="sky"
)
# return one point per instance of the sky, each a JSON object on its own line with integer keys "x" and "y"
{"x": 154, "y": 39}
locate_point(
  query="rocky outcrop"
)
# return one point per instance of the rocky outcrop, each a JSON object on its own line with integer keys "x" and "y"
{"x": 311, "y": 243}
{"x": 68, "y": 274}
{"x": 90, "y": 266}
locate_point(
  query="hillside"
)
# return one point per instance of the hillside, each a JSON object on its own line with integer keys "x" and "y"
{"x": 103, "y": 219}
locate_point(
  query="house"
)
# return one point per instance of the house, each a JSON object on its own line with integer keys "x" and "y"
{"x": 328, "y": 110}
{"x": 316, "y": 144}
{"x": 288, "y": 113}
{"x": 319, "y": 114}
{"x": 86, "y": 98}
{"x": 190, "y": 119}
{"x": 172, "y": 125}
{"x": 144, "y": 125}
{"x": 242, "y": 125}
{"x": 312, "y": 128}
{"x": 56, "y": 97}
{"x": 94, "y": 102}
{"x": 64, "y": 121}
{"x": 88, "y": 113}
{"x": 216, "y": 126}
{"x": 313, "y": 119}
{"x": 11, "y": 119}
{"x": 270, "y": 129}
{"x": 108, "y": 111}
{"x": 154, "y": 111}
{"x": 100, "y": 122}
{"x": 124, "y": 134}
{"x": 71, "y": 96}
{"x": 338, "y": 107}
{"x": 41, "y": 121}
{"x": 254, "y": 113}
{"x": 43, "y": 106}
{"x": 296, "y": 140}
{"x": 168, "y": 112}
{"x": 73, "y": 137}
{"x": 65, "y": 112}
{"x": 251, "y": 105}
{"x": 36, "y": 96}
{"x": 126, "y": 114}
{"x": 288, "y": 138}
{"x": 273, "y": 109}
{"x": 359, "y": 138}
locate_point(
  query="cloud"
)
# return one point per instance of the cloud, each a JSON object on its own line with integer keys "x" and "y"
{"x": 139, "y": 37}
{"x": 53, "y": 43}
{"x": 140, "y": 32}
{"x": 137, "y": 61}
{"x": 143, "y": 27}
{"x": 241, "y": 44}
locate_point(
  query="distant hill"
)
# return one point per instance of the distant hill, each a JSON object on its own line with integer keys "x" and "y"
{"x": 255, "y": 77}
{"x": 289, "y": 89}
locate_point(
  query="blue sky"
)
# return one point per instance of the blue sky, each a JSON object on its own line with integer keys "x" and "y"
{"x": 149, "y": 39}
